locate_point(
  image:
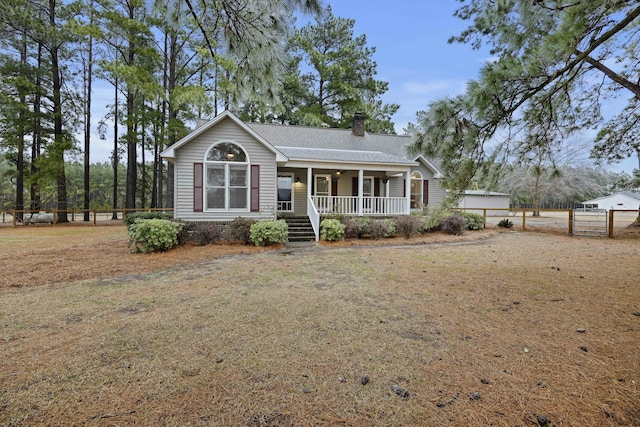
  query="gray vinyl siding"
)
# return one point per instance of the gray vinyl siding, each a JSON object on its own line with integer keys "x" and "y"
{"x": 299, "y": 190}
{"x": 194, "y": 152}
{"x": 436, "y": 192}
{"x": 396, "y": 186}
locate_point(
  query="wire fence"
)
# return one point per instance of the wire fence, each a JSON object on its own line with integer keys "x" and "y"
{"x": 17, "y": 218}
{"x": 615, "y": 223}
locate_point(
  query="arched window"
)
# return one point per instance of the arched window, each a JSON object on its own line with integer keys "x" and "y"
{"x": 227, "y": 177}
{"x": 416, "y": 190}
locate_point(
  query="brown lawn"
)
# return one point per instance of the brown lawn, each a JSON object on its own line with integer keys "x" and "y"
{"x": 489, "y": 328}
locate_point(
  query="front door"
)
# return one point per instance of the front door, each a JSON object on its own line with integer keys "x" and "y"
{"x": 323, "y": 193}
{"x": 285, "y": 193}
{"x": 367, "y": 194}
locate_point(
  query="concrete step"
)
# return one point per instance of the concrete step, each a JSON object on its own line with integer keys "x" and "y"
{"x": 300, "y": 229}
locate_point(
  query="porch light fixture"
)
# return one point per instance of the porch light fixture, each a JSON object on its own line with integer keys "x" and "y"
{"x": 338, "y": 172}
{"x": 385, "y": 179}
{"x": 298, "y": 180}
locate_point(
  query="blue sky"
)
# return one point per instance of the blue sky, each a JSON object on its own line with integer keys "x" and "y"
{"x": 412, "y": 54}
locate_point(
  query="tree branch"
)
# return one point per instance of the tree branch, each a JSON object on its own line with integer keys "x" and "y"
{"x": 202, "y": 30}
{"x": 635, "y": 88}
{"x": 582, "y": 56}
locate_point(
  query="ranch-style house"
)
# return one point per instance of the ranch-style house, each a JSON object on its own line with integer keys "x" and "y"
{"x": 227, "y": 168}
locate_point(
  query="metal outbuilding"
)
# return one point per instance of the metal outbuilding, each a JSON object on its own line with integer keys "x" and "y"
{"x": 482, "y": 199}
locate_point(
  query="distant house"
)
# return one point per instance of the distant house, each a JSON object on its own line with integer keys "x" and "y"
{"x": 497, "y": 203}
{"x": 623, "y": 200}
{"x": 226, "y": 169}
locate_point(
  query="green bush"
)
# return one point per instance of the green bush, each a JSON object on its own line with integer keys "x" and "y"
{"x": 132, "y": 217}
{"x": 331, "y": 230}
{"x": 264, "y": 233}
{"x": 453, "y": 224}
{"x": 380, "y": 228}
{"x": 150, "y": 235}
{"x": 432, "y": 221}
{"x": 476, "y": 221}
{"x": 238, "y": 230}
{"x": 505, "y": 223}
{"x": 355, "y": 228}
{"x": 408, "y": 225}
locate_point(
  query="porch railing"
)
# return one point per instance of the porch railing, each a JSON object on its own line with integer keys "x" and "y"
{"x": 314, "y": 217}
{"x": 349, "y": 205}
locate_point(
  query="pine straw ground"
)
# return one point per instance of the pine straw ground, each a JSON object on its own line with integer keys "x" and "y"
{"x": 490, "y": 328}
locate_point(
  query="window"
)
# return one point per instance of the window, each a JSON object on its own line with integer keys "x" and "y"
{"x": 416, "y": 190}
{"x": 227, "y": 177}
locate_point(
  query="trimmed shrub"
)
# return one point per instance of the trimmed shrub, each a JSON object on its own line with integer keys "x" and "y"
{"x": 238, "y": 230}
{"x": 433, "y": 221}
{"x": 265, "y": 233}
{"x": 150, "y": 235}
{"x": 453, "y": 224}
{"x": 380, "y": 228}
{"x": 202, "y": 233}
{"x": 331, "y": 230}
{"x": 476, "y": 221}
{"x": 408, "y": 225}
{"x": 132, "y": 217}
{"x": 505, "y": 223}
{"x": 355, "y": 228}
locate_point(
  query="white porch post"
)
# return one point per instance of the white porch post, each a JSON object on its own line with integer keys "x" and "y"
{"x": 408, "y": 191}
{"x": 360, "y": 185}
{"x": 309, "y": 182}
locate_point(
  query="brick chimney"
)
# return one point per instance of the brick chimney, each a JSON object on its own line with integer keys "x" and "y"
{"x": 358, "y": 124}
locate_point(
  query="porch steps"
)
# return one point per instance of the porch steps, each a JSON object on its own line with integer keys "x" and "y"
{"x": 300, "y": 229}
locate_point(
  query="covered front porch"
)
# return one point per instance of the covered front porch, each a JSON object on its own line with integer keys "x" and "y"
{"x": 344, "y": 191}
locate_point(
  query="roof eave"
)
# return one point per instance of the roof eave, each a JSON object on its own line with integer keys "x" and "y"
{"x": 436, "y": 172}
{"x": 169, "y": 153}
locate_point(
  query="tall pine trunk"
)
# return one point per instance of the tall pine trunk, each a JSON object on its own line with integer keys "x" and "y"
{"x": 154, "y": 177}
{"x": 36, "y": 143}
{"x": 116, "y": 155}
{"x": 143, "y": 166}
{"x": 87, "y": 125}
{"x": 58, "y": 136}
{"x": 172, "y": 114}
{"x": 132, "y": 146}
{"x": 20, "y": 136}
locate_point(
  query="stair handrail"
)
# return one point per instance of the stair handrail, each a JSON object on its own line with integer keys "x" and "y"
{"x": 314, "y": 217}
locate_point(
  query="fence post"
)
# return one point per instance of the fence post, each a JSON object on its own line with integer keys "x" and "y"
{"x": 524, "y": 218}
{"x": 611, "y": 223}
{"x": 14, "y": 217}
{"x": 55, "y": 217}
{"x": 570, "y": 222}
{"x": 485, "y": 219}
{"x": 95, "y": 214}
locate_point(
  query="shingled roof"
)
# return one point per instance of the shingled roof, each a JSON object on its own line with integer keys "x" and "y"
{"x": 317, "y": 144}
{"x": 328, "y": 144}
